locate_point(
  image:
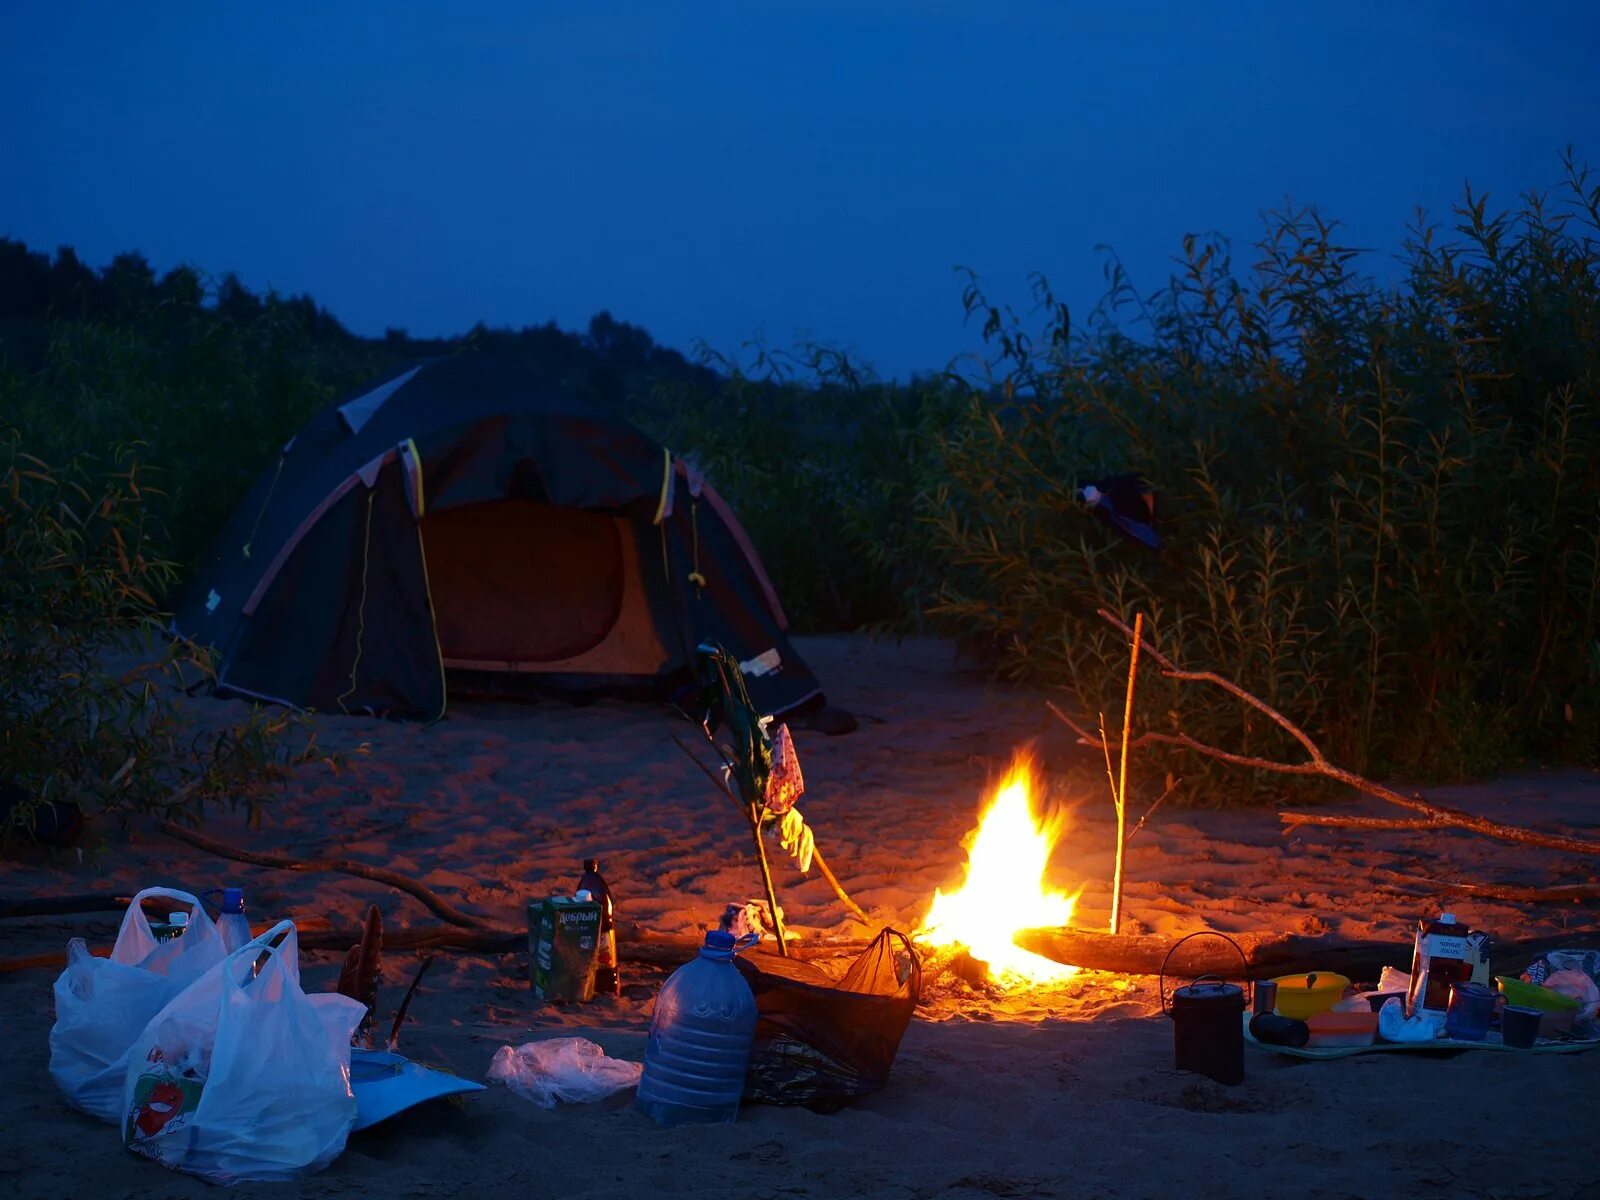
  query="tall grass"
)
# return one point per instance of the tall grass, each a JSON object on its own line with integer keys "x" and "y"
{"x": 1382, "y": 504}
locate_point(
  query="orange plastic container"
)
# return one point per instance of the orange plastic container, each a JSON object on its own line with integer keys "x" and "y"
{"x": 1342, "y": 1029}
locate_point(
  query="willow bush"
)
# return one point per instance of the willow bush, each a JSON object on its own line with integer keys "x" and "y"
{"x": 1381, "y": 504}
{"x": 90, "y": 687}
{"x": 825, "y": 474}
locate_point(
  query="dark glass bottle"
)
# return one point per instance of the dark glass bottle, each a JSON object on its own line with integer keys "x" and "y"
{"x": 607, "y": 979}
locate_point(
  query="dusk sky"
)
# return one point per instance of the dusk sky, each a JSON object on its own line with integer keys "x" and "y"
{"x": 720, "y": 171}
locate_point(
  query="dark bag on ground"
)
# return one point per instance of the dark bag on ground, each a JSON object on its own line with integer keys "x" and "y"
{"x": 822, "y": 1041}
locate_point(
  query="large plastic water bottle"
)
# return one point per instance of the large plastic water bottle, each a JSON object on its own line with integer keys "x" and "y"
{"x": 700, "y": 1039}
{"x": 232, "y": 923}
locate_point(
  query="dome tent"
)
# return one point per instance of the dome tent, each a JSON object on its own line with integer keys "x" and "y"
{"x": 469, "y": 520}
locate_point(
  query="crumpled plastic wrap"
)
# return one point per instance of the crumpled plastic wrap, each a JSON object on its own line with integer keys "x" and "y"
{"x": 574, "y": 1070}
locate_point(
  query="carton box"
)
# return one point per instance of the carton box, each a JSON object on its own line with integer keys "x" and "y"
{"x": 563, "y": 944}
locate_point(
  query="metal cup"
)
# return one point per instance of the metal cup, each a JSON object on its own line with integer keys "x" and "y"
{"x": 1519, "y": 1027}
{"x": 1264, "y": 995}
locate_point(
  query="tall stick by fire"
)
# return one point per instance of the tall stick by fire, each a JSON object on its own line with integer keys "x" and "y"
{"x": 1121, "y": 795}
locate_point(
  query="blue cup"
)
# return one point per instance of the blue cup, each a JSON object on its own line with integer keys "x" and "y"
{"x": 1471, "y": 1008}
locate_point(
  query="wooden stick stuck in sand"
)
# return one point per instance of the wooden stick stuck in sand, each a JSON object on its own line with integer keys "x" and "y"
{"x": 1122, "y": 776}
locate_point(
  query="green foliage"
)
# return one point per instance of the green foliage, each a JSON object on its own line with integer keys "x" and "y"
{"x": 88, "y": 684}
{"x": 823, "y": 465}
{"x": 1381, "y": 505}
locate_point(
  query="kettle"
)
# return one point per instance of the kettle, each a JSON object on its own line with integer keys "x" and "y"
{"x": 1207, "y": 1020}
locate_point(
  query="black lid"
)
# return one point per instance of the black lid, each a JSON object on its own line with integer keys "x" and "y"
{"x": 1207, "y": 993}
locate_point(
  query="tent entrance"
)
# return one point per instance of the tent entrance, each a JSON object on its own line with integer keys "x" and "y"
{"x": 529, "y": 588}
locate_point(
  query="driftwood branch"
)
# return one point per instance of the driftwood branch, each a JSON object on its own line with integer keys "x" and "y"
{"x": 435, "y": 903}
{"x": 1563, "y": 893}
{"x": 1435, "y": 816}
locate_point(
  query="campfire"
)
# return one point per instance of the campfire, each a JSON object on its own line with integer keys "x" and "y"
{"x": 1004, "y": 891}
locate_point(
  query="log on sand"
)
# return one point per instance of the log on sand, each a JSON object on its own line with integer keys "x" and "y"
{"x": 1265, "y": 955}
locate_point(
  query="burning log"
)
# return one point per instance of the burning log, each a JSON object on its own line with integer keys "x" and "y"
{"x": 1266, "y": 955}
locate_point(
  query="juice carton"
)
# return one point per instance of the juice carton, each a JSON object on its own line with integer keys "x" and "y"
{"x": 563, "y": 941}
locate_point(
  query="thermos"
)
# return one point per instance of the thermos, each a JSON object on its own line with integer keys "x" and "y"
{"x": 1273, "y": 1030}
{"x": 1207, "y": 1022}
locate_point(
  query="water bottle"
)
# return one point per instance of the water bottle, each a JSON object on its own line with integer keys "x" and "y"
{"x": 700, "y": 1039}
{"x": 231, "y": 924}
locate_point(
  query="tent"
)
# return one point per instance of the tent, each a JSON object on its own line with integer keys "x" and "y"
{"x": 467, "y": 523}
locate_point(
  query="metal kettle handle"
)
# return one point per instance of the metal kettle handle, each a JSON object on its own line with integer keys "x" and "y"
{"x": 1161, "y": 982}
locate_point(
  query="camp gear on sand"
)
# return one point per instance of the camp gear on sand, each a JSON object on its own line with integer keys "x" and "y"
{"x": 473, "y": 524}
{"x": 1542, "y": 969}
{"x": 1439, "y": 958}
{"x": 1342, "y": 1028}
{"x": 243, "y": 1076}
{"x": 572, "y": 1070}
{"x": 607, "y": 979}
{"x": 1272, "y": 1030}
{"x": 700, "y": 1039}
{"x": 1307, "y": 994}
{"x": 1429, "y": 1044}
{"x": 386, "y": 1084}
{"x": 102, "y": 1004}
{"x": 1471, "y": 1008}
{"x": 563, "y": 945}
{"x": 1264, "y": 996}
{"x": 1207, "y": 1036}
{"x": 1519, "y": 1027}
{"x": 822, "y": 1041}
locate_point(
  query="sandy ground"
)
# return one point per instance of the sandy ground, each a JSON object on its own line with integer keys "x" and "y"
{"x": 1068, "y": 1091}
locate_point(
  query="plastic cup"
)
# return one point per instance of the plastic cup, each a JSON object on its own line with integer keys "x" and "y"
{"x": 1519, "y": 1027}
{"x": 1467, "y": 1017}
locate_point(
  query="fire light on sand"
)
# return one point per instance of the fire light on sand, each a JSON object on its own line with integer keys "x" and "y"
{"x": 1004, "y": 890}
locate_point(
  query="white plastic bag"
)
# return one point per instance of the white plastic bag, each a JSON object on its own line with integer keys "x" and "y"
{"x": 571, "y": 1069}
{"x": 102, "y": 1004}
{"x": 243, "y": 1076}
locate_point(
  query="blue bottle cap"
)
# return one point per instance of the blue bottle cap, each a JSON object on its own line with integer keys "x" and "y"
{"x": 233, "y": 900}
{"x": 719, "y": 944}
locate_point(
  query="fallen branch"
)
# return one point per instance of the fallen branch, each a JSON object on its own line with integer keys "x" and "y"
{"x": 1334, "y": 820}
{"x": 1563, "y": 893}
{"x": 436, "y": 904}
{"x": 1437, "y": 816}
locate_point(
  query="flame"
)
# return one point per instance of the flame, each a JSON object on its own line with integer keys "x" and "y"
{"x": 1004, "y": 890}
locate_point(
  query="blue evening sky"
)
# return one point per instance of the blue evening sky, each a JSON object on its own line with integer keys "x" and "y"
{"x": 718, "y": 170}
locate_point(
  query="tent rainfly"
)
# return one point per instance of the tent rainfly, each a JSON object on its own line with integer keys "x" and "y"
{"x": 465, "y": 525}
